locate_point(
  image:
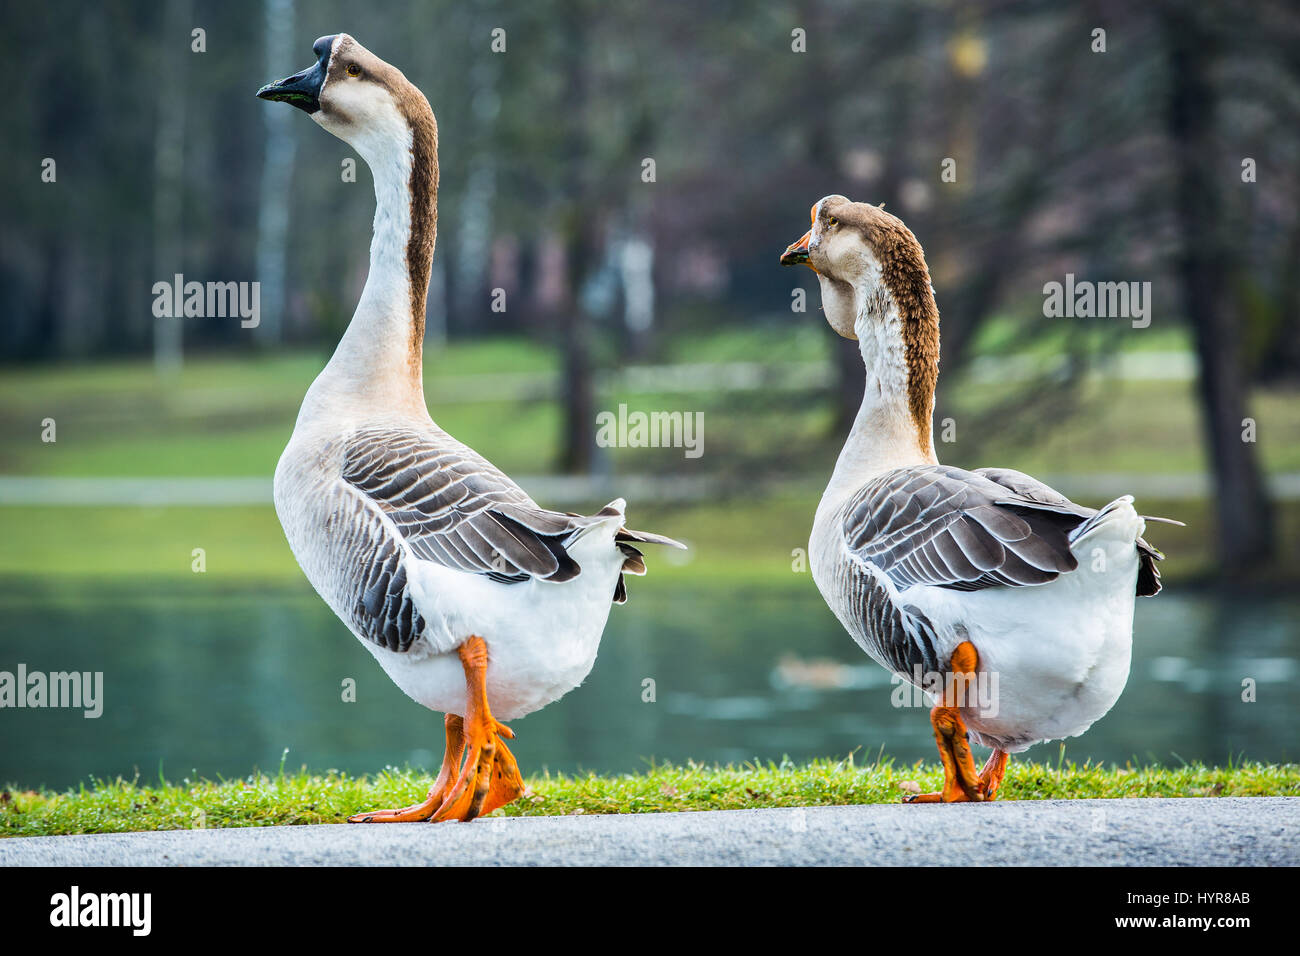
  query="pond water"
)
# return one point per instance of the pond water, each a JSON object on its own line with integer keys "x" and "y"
{"x": 219, "y": 685}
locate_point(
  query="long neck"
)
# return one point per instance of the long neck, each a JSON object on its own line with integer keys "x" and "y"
{"x": 893, "y": 426}
{"x": 379, "y": 360}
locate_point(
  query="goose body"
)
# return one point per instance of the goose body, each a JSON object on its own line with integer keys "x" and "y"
{"x": 474, "y": 599}
{"x": 1011, "y": 605}
{"x": 358, "y": 549}
{"x": 1060, "y": 648}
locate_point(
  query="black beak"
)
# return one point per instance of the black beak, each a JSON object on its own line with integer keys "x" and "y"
{"x": 302, "y": 89}
{"x": 797, "y": 252}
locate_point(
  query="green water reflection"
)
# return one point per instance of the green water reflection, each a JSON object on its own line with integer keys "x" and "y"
{"x": 220, "y": 685}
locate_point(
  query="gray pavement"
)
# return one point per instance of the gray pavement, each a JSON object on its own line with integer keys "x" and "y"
{"x": 1160, "y": 832}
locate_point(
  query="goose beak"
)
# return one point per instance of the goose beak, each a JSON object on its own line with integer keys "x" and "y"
{"x": 301, "y": 90}
{"x": 797, "y": 252}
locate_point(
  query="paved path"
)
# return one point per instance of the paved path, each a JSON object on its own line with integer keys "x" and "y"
{"x": 1164, "y": 832}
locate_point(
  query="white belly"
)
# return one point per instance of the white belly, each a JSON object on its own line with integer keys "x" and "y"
{"x": 542, "y": 638}
{"x": 1053, "y": 659}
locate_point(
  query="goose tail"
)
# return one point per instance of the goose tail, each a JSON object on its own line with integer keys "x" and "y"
{"x": 1119, "y": 522}
{"x": 633, "y": 559}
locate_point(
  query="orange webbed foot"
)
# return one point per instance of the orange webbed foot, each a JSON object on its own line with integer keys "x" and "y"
{"x": 437, "y": 793}
{"x": 960, "y": 782}
{"x": 988, "y": 783}
{"x": 507, "y": 783}
{"x": 995, "y": 768}
{"x": 490, "y": 778}
{"x": 412, "y": 814}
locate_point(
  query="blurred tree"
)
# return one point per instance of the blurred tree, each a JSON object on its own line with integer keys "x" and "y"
{"x": 169, "y": 175}
{"x": 277, "y": 173}
{"x": 1205, "y": 258}
{"x": 1114, "y": 164}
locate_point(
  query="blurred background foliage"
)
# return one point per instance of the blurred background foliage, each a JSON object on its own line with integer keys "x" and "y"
{"x": 1123, "y": 165}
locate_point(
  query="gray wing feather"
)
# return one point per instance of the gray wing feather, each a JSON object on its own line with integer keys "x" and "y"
{"x": 372, "y": 592}
{"x": 1023, "y": 485}
{"x": 453, "y": 507}
{"x": 897, "y": 635}
{"x": 958, "y": 529}
{"x": 428, "y": 495}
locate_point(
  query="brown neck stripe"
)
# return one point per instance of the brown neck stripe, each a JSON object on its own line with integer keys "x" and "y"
{"x": 908, "y": 279}
{"x": 424, "y": 214}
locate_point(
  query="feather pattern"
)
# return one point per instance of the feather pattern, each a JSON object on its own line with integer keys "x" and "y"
{"x": 408, "y": 494}
{"x": 944, "y": 526}
{"x": 933, "y": 526}
{"x": 452, "y": 506}
{"x": 968, "y": 530}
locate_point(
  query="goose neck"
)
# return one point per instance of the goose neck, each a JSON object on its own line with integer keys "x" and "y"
{"x": 893, "y": 427}
{"x": 379, "y": 360}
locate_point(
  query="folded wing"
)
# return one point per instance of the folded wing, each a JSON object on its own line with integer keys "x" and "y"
{"x": 453, "y": 507}
{"x": 967, "y": 530}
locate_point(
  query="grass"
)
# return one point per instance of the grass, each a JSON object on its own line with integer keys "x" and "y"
{"x": 116, "y": 806}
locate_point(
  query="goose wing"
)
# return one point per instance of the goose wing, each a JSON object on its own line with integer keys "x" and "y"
{"x": 943, "y": 526}
{"x": 453, "y": 507}
{"x": 1148, "y": 582}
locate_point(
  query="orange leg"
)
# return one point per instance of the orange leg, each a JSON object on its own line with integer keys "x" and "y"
{"x": 960, "y": 782}
{"x": 995, "y": 769}
{"x": 437, "y": 793}
{"x": 490, "y": 777}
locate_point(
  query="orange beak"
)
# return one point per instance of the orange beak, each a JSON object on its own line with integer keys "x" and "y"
{"x": 797, "y": 252}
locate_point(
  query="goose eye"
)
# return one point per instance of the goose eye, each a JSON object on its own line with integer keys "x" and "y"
{"x": 354, "y": 70}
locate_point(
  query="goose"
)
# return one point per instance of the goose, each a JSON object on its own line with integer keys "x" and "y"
{"x": 476, "y": 601}
{"x": 1009, "y": 604}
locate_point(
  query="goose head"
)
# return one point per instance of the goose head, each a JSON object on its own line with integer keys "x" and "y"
{"x": 370, "y": 105}
{"x": 866, "y": 262}
{"x": 876, "y": 289}
{"x": 355, "y": 95}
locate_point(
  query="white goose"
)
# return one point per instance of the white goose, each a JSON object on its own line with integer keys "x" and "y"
{"x": 983, "y": 581}
{"x": 475, "y": 600}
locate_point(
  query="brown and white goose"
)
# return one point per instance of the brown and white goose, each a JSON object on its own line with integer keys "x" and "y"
{"x": 477, "y": 602}
{"x": 1011, "y": 605}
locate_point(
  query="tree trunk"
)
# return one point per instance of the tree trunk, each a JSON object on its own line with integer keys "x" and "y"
{"x": 1243, "y": 511}
{"x": 169, "y": 171}
{"x": 277, "y": 171}
{"x": 582, "y": 250}
{"x": 577, "y": 454}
